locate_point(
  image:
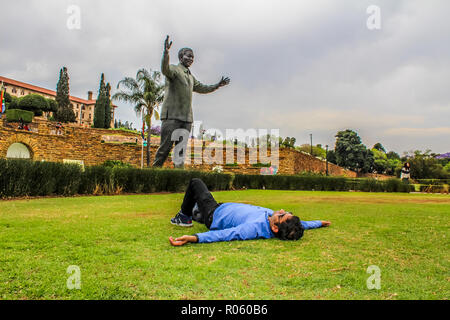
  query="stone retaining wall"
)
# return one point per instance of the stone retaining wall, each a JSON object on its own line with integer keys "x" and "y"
{"x": 94, "y": 146}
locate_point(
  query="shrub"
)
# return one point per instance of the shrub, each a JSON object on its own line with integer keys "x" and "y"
{"x": 12, "y": 104}
{"x": 52, "y": 105}
{"x": 318, "y": 183}
{"x": 16, "y": 115}
{"x": 290, "y": 182}
{"x": 134, "y": 180}
{"x": 8, "y": 97}
{"x": 33, "y": 102}
{"x": 20, "y": 178}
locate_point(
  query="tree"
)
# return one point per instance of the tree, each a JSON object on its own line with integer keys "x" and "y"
{"x": 378, "y": 146}
{"x": 351, "y": 153}
{"x": 146, "y": 93}
{"x": 52, "y": 105}
{"x": 331, "y": 156}
{"x": 10, "y": 101}
{"x": 100, "y": 104}
{"x": 289, "y": 142}
{"x": 393, "y": 155}
{"x": 447, "y": 168}
{"x": 425, "y": 166}
{"x": 62, "y": 89}
{"x": 368, "y": 161}
{"x": 64, "y": 112}
{"x": 108, "y": 106}
{"x": 393, "y": 165}
{"x": 13, "y": 104}
{"x": 380, "y": 160}
{"x": 8, "y": 98}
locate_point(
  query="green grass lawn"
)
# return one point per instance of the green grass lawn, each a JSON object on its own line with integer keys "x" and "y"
{"x": 120, "y": 244}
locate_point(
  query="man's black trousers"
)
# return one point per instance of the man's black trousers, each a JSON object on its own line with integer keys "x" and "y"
{"x": 197, "y": 192}
{"x": 167, "y": 128}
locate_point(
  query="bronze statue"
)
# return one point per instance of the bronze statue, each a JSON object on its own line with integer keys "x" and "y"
{"x": 176, "y": 112}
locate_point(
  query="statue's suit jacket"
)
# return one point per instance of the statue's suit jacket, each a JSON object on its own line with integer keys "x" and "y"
{"x": 180, "y": 84}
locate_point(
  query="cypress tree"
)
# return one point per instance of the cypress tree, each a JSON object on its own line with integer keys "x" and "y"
{"x": 99, "y": 109}
{"x": 62, "y": 89}
{"x": 108, "y": 106}
{"x": 64, "y": 112}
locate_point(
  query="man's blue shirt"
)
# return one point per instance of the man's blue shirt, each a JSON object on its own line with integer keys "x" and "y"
{"x": 238, "y": 221}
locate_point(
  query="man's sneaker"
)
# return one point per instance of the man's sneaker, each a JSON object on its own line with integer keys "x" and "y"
{"x": 181, "y": 220}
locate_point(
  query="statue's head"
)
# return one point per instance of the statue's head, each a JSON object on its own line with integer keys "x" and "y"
{"x": 186, "y": 57}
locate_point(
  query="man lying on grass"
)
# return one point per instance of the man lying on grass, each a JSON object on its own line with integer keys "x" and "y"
{"x": 235, "y": 221}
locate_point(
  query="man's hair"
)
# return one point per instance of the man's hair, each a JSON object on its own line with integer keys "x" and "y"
{"x": 182, "y": 51}
{"x": 291, "y": 229}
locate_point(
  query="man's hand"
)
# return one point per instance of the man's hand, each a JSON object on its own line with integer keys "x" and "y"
{"x": 223, "y": 82}
{"x": 167, "y": 44}
{"x": 326, "y": 223}
{"x": 182, "y": 240}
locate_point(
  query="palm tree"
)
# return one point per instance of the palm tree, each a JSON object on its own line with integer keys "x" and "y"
{"x": 146, "y": 93}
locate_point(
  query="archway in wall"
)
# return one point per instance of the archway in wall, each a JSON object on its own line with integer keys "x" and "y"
{"x": 18, "y": 151}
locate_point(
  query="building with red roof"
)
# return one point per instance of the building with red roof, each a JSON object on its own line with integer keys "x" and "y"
{"x": 83, "y": 109}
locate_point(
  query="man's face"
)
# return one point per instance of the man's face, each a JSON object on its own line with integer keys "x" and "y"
{"x": 187, "y": 58}
{"x": 281, "y": 216}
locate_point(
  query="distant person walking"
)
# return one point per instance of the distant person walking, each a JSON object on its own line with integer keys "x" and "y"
{"x": 405, "y": 173}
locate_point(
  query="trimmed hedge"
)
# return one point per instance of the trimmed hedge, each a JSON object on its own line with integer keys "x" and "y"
{"x": 21, "y": 178}
{"x": 35, "y": 103}
{"x": 389, "y": 185}
{"x": 15, "y": 115}
{"x": 319, "y": 183}
{"x": 107, "y": 180}
{"x": 290, "y": 182}
{"x": 433, "y": 181}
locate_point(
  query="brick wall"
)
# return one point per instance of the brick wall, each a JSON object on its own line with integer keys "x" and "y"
{"x": 72, "y": 142}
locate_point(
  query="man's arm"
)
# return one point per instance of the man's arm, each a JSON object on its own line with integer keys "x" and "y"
{"x": 241, "y": 232}
{"x": 201, "y": 88}
{"x": 315, "y": 224}
{"x": 246, "y": 231}
{"x": 165, "y": 67}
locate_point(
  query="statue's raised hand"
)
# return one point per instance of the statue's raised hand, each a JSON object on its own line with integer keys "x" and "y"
{"x": 167, "y": 44}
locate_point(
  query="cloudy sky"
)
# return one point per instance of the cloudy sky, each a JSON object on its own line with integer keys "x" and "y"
{"x": 303, "y": 67}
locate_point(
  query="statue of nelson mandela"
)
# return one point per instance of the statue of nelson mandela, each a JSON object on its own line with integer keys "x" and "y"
{"x": 176, "y": 110}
